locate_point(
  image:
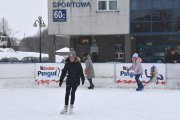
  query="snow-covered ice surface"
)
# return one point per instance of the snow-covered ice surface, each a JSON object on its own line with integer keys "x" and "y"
{"x": 98, "y": 104}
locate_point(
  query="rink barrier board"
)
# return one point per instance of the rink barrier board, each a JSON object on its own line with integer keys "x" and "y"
{"x": 26, "y": 75}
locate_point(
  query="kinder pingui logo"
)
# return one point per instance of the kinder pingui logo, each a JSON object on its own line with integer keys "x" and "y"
{"x": 48, "y": 71}
{"x": 126, "y": 73}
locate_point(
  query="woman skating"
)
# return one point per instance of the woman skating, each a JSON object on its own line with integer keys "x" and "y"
{"x": 74, "y": 72}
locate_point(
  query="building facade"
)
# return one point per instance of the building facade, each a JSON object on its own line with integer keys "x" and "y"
{"x": 112, "y": 30}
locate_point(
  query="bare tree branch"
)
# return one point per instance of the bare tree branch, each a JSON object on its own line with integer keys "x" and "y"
{"x": 4, "y": 27}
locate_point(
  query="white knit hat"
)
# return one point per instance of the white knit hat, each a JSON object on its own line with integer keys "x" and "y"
{"x": 135, "y": 55}
{"x": 72, "y": 54}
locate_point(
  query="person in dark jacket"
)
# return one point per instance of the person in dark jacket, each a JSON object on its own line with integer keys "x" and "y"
{"x": 89, "y": 70}
{"x": 74, "y": 72}
{"x": 172, "y": 56}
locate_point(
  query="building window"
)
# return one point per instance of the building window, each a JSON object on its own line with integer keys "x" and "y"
{"x": 162, "y": 4}
{"x": 177, "y": 26}
{"x": 107, "y": 5}
{"x": 162, "y": 27}
{"x": 141, "y": 27}
{"x": 143, "y": 15}
{"x": 176, "y": 4}
{"x": 154, "y": 16}
{"x": 119, "y": 54}
{"x": 141, "y": 4}
{"x": 176, "y": 14}
{"x": 113, "y": 5}
{"x": 162, "y": 15}
{"x": 102, "y": 5}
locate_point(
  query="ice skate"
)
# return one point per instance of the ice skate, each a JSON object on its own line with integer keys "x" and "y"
{"x": 91, "y": 87}
{"x": 140, "y": 88}
{"x": 71, "y": 109}
{"x": 65, "y": 110}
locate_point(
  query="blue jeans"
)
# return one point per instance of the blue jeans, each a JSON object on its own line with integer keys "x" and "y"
{"x": 139, "y": 83}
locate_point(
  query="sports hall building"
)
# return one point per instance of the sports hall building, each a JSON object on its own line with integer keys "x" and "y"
{"x": 112, "y": 30}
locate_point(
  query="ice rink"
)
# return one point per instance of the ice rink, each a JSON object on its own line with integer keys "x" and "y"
{"x": 97, "y": 104}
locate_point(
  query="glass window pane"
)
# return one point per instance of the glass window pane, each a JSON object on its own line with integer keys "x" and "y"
{"x": 118, "y": 47}
{"x": 162, "y": 4}
{"x": 141, "y": 15}
{"x": 141, "y": 27}
{"x": 177, "y": 26}
{"x": 177, "y": 14}
{"x": 113, "y": 5}
{"x": 102, "y": 5}
{"x": 134, "y": 4}
{"x": 141, "y": 4}
{"x": 160, "y": 15}
{"x": 162, "y": 27}
{"x": 177, "y": 4}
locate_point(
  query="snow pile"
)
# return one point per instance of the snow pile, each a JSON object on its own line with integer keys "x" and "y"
{"x": 8, "y": 53}
{"x": 65, "y": 49}
{"x": 12, "y": 54}
{"x": 7, "y": 50}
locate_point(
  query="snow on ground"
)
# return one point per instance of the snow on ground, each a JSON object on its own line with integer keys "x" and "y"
{"x": 98, "y": 104}
{"x": 8, "y": 52}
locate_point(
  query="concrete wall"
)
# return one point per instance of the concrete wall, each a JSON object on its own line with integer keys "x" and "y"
{"x": 89, "y": 21}
{"x": 23, "y": 75}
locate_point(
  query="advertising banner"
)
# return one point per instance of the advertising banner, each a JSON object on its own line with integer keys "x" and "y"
{"x": 48, "y": 74}
{"x": 153, "y": 74}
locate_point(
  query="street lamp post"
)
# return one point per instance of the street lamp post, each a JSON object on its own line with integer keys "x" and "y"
{"x": 41, "y": 24}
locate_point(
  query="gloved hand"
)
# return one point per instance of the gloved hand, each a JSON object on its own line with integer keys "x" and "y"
{"x": 60, "y": 82}
{"x": 82, "y": 82}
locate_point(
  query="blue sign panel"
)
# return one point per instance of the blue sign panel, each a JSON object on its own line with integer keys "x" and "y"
{"x": 59, "y": 15}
